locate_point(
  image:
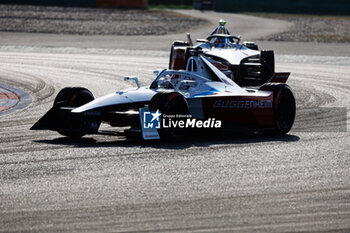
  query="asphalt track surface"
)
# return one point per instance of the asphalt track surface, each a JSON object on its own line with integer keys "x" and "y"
{"x": 214, "y": 183}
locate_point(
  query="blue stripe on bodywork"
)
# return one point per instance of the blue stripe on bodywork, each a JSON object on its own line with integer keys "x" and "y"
{"x": 212, "y": 91}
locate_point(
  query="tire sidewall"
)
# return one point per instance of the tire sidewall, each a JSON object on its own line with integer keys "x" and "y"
{"x": 284, "y": 112}
{"x": 282, "y": 91}
{"x": 170, "y": 103}
{"x": 75, "y": 97}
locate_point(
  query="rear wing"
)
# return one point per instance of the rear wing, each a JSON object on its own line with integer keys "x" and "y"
{"x": 279, "y": 77}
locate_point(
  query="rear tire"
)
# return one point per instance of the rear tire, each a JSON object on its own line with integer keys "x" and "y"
{"x": 173, "y": 46}
{"x": 74, "y": 97}
{"x": 170, "y": 103}
{"x": 284, "y": 106}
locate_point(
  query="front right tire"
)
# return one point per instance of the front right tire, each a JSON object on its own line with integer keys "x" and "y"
{"x": 183, "y": 59}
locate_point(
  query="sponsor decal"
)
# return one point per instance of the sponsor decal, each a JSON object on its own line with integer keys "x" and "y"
{"x": 246, "y": 104}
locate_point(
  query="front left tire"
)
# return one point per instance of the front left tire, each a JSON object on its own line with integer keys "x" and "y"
{"x": 75, "y": 97}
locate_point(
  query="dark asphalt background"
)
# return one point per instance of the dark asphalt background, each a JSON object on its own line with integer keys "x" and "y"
{"x": 213, "y": 183}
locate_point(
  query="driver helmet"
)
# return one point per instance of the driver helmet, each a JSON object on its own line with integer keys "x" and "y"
{"x": 220, "y": 42}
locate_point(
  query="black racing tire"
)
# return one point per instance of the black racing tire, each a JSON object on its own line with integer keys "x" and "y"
{"x": 267, "y": 60}
{"x": 284, "y": 106}
{"x": 170, "y": 103}
{"x": 74, "y": 97}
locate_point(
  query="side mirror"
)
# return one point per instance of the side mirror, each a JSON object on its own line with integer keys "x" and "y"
{"x": 128, "y": 79}
{"x": 238, "y": 39}
{"x": 156, "y": 72}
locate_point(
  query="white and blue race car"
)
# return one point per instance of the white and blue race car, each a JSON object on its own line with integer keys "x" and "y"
{"x": 242, "y": 62}
{"x": 176, "y": 102}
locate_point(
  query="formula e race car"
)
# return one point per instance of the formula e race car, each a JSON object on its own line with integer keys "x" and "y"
{"x": 200, "y": 97}
{"x": 242, "y": 62}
